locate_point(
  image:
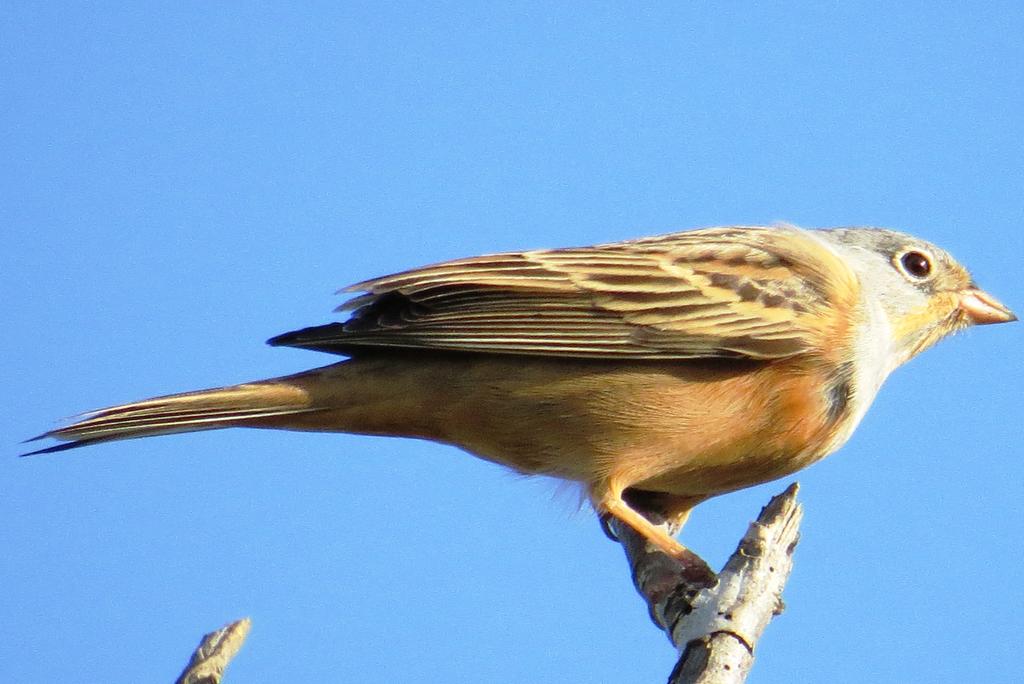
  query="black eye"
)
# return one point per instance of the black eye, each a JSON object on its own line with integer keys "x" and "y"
{"x": 916, "y": 264}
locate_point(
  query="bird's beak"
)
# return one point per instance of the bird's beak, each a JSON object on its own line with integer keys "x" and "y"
{"x": 982, "y": 308}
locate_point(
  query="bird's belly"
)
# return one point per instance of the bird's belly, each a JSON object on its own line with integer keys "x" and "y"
{"x": 707, "y": 475}
{"x": 692, "y": 430}
{"x": 780, "y": 427}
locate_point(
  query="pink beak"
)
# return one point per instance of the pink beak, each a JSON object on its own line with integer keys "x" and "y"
{"x": 982, "y": 308}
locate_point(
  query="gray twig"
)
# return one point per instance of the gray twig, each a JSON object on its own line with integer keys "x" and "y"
{"x": 214, "y": 653}
{"x": 715, "y": 622}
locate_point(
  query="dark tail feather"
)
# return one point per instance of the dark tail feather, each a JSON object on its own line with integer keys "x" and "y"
{"x": 62, "y": 447}
{"x": 236, "y": 406}
{"x": 326, "y": 338}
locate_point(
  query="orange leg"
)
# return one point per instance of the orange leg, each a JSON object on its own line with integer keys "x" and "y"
{"x": 608, "y": 501}
{"x": 613, "y": 505}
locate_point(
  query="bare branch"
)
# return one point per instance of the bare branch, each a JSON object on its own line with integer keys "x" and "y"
{"x": 716, "y": 622}
{"x": 214, "y": 653}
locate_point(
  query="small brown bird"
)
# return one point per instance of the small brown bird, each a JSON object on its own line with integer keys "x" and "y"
{"x": 661, "y": 371}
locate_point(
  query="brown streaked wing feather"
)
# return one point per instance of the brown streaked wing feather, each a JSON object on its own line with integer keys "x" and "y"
{"x": 727, "y": 292}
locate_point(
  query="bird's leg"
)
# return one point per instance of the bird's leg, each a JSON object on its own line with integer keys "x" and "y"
{"x": 610, "y": 504}
{"x": 614, "y": 506}
{"x": 609, "y": 501}
{"x": 676, "y": 520}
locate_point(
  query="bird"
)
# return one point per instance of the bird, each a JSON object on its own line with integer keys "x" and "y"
{"x": 656, "y": 372}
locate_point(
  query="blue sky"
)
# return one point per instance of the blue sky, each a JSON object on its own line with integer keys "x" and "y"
{"x": 182, "y": 181}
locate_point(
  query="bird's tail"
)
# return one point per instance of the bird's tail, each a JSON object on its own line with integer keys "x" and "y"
{"x": 265, "y": 403}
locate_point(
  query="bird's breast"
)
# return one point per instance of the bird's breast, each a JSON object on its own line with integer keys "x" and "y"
{"x": 745, "y": 430}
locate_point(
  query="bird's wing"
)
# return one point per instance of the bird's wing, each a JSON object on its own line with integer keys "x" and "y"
{"x": 740, "y": 292}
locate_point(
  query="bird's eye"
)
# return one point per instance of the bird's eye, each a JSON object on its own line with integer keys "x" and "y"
{"x": 916, "y": 265}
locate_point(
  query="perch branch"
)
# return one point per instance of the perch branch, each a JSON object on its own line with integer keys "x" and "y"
{"x": 214, "y": 653}
{"x": 715, "y": 623}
